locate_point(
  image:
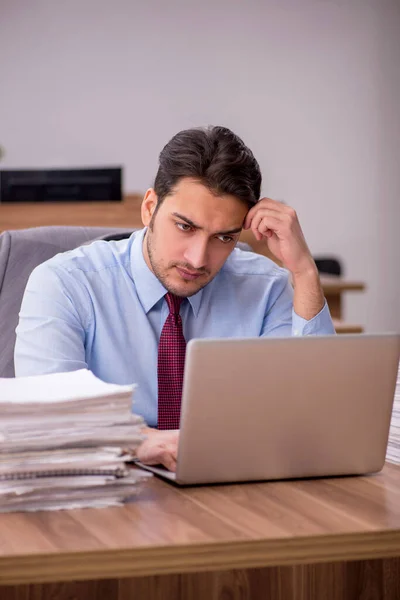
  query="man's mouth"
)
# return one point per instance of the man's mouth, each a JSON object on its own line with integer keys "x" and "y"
{"x": 189, "y": 275}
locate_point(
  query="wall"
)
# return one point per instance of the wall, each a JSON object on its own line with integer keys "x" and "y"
{"x": 313, "y": 87}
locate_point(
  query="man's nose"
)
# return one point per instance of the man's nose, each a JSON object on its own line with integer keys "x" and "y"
{"x": 196, "y": 253}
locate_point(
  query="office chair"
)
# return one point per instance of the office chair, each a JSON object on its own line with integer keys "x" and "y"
{"x": 20, "y": 252}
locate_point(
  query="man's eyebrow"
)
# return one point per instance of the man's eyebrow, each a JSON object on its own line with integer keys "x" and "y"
{"x": 190, "y": 222}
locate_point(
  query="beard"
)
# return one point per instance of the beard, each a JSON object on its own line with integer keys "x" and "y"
{"x": 161, "y": 271}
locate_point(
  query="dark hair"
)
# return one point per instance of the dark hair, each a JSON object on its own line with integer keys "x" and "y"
{"x": 216, "y": 157}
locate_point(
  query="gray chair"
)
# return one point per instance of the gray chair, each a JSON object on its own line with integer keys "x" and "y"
{"x": 20, "y": 252}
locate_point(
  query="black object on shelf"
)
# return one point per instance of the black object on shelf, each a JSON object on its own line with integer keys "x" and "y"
{"x": 328, "y": 265}
{"x": 61, "y": 185}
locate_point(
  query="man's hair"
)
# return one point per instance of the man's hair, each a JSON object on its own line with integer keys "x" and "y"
{"x": 214, "y": 156}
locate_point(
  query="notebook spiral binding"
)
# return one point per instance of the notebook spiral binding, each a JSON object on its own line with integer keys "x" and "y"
{"x": 118, "y": 473}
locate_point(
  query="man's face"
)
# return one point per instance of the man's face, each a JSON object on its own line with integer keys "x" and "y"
{"x": 190, "y": 236}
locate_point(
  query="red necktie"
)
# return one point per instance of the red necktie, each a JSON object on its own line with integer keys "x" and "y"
{"x": 171, "y": 362}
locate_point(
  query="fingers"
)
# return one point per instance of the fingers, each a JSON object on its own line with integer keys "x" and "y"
{"x": 155, "y": 454}
{"x": 168, "y": 459}
{"x": 268, "y": 203}
{"x": 161, "y": 448}
{"x": 167, "y": 456}
{"x": 265, "y": 222}
{"x": 270, "y": 217}
{"x": 144, "y": 452}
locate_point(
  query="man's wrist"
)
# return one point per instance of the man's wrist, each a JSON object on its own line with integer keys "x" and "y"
{"x": 306, "y": 271}
{"x": 146, "y": 429}
{"x": 308, "y": 298}
{"x": 308, "y": 275}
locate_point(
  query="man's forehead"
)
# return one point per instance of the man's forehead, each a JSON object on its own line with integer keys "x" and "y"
{"x": 189, "y": 188}
{"x": 205, "y": 209}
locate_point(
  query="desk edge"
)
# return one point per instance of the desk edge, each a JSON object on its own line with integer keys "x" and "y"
{"x": 128, "y": 562}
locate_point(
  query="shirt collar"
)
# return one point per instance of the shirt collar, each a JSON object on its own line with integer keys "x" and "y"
{"x": 149, "y": 289}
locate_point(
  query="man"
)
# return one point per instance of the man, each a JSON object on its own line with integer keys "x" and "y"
{"x": 126, "y": 309}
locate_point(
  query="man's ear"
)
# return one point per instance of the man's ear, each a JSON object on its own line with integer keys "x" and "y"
{"x": 148, "y": 206}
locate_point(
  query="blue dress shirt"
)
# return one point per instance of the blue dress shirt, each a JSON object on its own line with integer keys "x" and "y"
{"x": 100, "y": 307}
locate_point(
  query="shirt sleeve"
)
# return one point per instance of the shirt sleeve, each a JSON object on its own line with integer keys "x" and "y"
{"x": 282, "y": 321}
{"x": 50, "y": 336}
{"x": 321, "y": 324}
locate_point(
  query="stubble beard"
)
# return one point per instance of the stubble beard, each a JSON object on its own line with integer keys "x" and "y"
{"x": 159, "y": 271}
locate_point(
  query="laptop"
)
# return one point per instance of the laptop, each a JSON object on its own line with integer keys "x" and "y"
{"x": 280, "y": 408}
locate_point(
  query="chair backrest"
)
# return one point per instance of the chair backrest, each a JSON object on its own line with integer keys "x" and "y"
{"x": 20, "y": 252}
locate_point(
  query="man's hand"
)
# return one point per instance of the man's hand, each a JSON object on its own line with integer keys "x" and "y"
{"x": 278, "y": 224}
{"x": 160, "y": 448}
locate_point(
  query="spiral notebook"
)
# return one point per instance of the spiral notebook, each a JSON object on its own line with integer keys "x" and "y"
{"x": 65, "y": 440}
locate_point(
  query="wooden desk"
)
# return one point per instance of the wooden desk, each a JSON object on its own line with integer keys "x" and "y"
{"x": 127, "y": 214}
{"x": 302, "y": 540}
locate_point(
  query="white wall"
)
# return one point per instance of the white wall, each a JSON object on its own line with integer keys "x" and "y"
{"x": 313, "y": 87}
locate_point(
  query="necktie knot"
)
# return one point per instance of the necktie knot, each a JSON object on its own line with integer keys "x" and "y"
{"x": 174, "y": 303}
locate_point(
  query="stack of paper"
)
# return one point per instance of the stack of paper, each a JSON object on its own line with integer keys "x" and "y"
{"x": 393, "y": 450}
{"x": 65, "y": 440}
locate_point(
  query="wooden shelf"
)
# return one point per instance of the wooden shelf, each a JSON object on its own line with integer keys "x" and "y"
{"x": 342, "y": 327}
{"x": 333, "y": 284}
{"x": 95, "y": 214}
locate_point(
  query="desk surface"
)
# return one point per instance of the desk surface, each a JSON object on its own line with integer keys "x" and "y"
{"x": 171, "y": 530}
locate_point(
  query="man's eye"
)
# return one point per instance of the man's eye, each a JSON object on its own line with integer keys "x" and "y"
{"x": 226, "y": 238}
{"x": 183, "y": 226}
